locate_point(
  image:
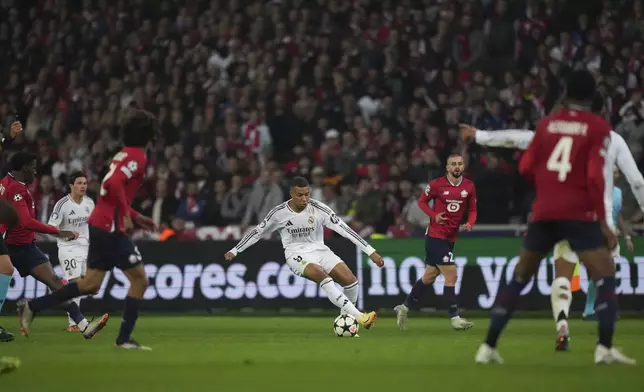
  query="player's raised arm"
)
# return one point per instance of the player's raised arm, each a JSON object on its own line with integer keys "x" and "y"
{"x": 626, "y": 164}
{"x": 333, "y": 222}
{"x": 508, "y": 138}
{"x": 267, "y": 226}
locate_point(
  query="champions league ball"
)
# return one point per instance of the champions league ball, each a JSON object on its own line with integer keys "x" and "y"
{"x": 345, "y": 326}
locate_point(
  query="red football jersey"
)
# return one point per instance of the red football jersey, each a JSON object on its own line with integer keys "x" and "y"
{"x": 565, "y": 160}
{"x": 18, "y": 194}
{"x": 120, "y": 184}
{"x": 453, "y": 200}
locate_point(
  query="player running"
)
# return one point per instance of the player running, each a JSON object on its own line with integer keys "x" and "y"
{"x": 71, "y": 213}
{"x": 565, "y": 259}
{"x": 301, "y": 221}
{"x": 8, "y": 217}
{"x": 453, "y": 195}
{"x": 591, "y": 295}
{"x": 25, "y": 255}
{"x": 565, "y": 160}
{"x": 109, "y": 245}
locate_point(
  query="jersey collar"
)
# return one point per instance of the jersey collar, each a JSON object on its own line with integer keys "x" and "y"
{"x": 452, "y": 184}
{"x": 14, "y": 178}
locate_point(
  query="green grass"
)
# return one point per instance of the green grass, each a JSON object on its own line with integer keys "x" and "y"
{"x": 301, "y": 354}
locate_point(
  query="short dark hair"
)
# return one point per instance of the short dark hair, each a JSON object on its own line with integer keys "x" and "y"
{"x": 299, "y": 182}
{"x": 580, "y": 86}
{"x": 71, "y": 178}
{"x": 139, "y": 128}
{"x": 21, "y": 159}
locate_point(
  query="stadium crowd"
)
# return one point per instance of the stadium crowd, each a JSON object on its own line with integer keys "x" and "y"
{"x": 362, "y": 97}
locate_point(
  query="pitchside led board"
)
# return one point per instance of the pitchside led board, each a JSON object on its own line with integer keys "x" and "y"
{"x": 193, "y": 276}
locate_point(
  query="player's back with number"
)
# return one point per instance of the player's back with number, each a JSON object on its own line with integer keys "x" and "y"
{"x": 566, "y": 161}
{"x": 120, "y": 184}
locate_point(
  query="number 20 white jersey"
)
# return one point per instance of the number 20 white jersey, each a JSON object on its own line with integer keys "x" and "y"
{"x": 69, "y": 215}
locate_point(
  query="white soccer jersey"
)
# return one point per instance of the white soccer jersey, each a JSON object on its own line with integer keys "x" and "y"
{"x": 68, "y": 215}
{"x": 618, "y": 153}
{"x": 302, "y": 231}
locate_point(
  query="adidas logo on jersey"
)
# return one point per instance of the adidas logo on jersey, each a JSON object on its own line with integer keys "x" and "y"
{"x": 289, "y": 223}
{"x": 72, "y": 213}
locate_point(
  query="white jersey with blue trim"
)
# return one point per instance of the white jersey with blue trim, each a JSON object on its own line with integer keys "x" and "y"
{"x": 302, "y": 231}
{"x": 69, "y": 215}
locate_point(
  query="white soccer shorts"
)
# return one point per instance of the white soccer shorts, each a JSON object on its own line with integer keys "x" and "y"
{"x": 73, "y": 263}
{"x": 326, "y": 259}
{"x": 562, "y": 250}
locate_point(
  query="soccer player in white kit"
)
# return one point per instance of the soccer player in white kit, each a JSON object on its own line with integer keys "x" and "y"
{"x": 71, "y": 213}
{"x": 300, "y": 222}
{"x": 565, "y": 259}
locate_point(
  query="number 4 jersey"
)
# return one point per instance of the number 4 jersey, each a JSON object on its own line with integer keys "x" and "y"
{"x": 565, "y": 160}
{"x": 120, "y": 184}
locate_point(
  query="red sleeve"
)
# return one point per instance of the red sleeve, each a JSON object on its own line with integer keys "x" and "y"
{"x": 472, "y": 204}
{"x": 596, "y": 181}
{"x": 424, "y": 199}
{"x": 27, "y": 221}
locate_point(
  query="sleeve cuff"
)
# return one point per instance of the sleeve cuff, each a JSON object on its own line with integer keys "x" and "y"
{"x": 369, "y": 250}
{"x": 234, "y": 251}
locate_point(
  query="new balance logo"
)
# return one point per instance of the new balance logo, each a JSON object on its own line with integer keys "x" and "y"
{"x": 72, "y": 213}
{"x": 289, "y": 223}
{"x": 446, "y": 193}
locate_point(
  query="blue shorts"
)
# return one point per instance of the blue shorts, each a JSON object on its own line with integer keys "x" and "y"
{"x": 26, "y": 257}
{"x": 542, "y": 236}
{"x": 110, "y": 250}
{"x": 438, "y": 252}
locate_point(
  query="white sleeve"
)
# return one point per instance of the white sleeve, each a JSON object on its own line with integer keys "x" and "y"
{"x": 626, "y": 164}
{"x": 333, "y": 222}
{"x": 58, "y": 213}
{"x": 267, "y": 226}
{"x": 510, "y": 138}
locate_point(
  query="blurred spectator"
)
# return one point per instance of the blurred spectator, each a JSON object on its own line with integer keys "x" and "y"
{"x": 266, "y": 194}
{"x": 45, "y": 198}
{"x": 369, "y": 89}
{"x": 233, "y": 206}
{"x": 162, "y": 207}
{"x": 213, "y": 210}
{"x": 192, "y": 205}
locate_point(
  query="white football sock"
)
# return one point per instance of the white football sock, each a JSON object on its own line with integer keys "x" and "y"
{"x": 339, "y": 299}
{"x": 561, "y": 298}
{"x": 351, "y": 291}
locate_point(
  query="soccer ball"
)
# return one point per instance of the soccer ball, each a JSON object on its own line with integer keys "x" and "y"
{"x": 345, "y": 326}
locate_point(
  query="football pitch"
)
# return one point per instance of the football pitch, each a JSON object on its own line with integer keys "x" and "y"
{"x": 216, "y": 353}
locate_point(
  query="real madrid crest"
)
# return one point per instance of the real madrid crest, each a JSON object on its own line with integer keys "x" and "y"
{"x": 463, "y": 193}
{"x": 311, "y": 220}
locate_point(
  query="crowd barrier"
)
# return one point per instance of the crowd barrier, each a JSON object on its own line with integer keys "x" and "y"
{"x": 193, "y": 276}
